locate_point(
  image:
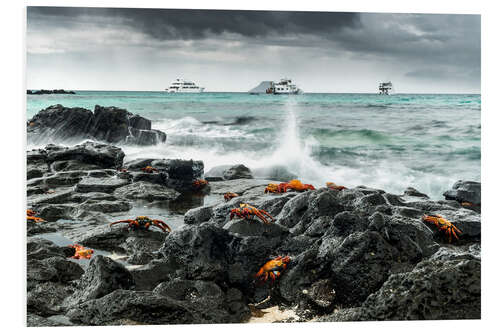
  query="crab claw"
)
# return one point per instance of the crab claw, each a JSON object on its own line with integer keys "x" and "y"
{"x": 162, "y": 225}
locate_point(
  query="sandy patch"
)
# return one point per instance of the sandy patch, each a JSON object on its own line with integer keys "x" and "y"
{"x": 271, "y": 314}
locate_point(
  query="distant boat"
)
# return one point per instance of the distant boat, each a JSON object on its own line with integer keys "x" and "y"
{"x": 184, "y": 86}
{"x": 385, "y": 88}
{"x": 284, "y": 87}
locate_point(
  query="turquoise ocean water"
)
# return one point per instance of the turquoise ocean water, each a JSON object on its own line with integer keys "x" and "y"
{"x": 388, "y": 142}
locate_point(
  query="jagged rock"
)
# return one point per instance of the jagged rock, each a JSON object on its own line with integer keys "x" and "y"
{"x": 140, "y": 190}
{"x": 34, "y": 320}
{"x": 60, "y": 122}
{"x": 180, "y": 174}
{"x": 45, "y": 91}
{"x": 320, "y": 293}
{"x": 55, "y": 269}
{"x": 358, "y": 265}
{"x": 207, "y": 299}
{"x": 238, "y": 171}
{"x": 412, "y": 192}
{"x": 115, "y": 238}
{"x": 109, "y": 124}
{"x": 156, "y": 271}
{"x": 46, "y": 298}
{"x": 103, "y": 155}
{"x": 435, "y": 289}
{"x": 198, "y": 215}
{"x": 103, "y": 275}
{"x": 145, "y": 137}
{"x": 202, "y": 251}
{"x": 108, "y": 185}
{"x": 40, "y": 249}
{"x": 216, "y": 173}
{"x": 254, "y": 227}
{"x": 135, "y": 307}
{"x": 465, "y": 191}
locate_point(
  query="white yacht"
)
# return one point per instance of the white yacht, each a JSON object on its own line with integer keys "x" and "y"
{"x": 184, "y": 86}
{"x": 385, "y": 88}
{"x": 284, "y": 87}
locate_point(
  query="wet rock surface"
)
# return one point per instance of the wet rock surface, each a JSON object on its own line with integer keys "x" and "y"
{"x": 108, "y": 124}
{"x": 356, "y": 254}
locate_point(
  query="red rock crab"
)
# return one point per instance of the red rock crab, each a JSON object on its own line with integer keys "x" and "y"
{"x": 273, "y": 269}
{"x": 247, "y": 212}
{"x": 144, "y": 222}
{"x": 443, "y": 224}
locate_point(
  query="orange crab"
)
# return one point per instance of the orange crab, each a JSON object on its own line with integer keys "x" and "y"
{"x": 272, "y": 269}
{"x": 229, "y": 195}
{"x": 297, "y": 185}
{"x": 443, "y": 224}
{"x": 81, "y": 252}
{"x": 144, "y": 222}
{"x": 149, "y": 169}
{"x": 246, "y": 212}
{"x": 199, "y": 184}
{"x": 333, "y": 186}
{"x": 275, "y": 188}
{"x": 30, "y": 216}
{"x": 293, "y": 184}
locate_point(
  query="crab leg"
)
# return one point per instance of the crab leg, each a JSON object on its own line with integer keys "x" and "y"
{"x": 262, "y": 217}
{"x": 162, "y": 225}
{"x": 121, "y": 221}
{"x": 266, "y": 213}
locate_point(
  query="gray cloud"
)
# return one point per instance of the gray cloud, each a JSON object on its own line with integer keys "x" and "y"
{"x": 350, "y": 47}
{"x": 195, "y": 24}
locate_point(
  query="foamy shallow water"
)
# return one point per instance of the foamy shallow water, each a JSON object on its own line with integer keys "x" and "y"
{"x": 388, "y": 142}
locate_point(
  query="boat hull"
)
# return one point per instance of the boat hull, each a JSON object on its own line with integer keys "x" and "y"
{"x": 185, "y": 91}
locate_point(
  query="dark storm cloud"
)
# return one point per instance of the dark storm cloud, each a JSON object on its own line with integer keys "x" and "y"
{"x": 417, "y": 48}
{"x": 165, "y": 24}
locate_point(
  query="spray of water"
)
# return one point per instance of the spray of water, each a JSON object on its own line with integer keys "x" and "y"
{"x": 187, "y": 139}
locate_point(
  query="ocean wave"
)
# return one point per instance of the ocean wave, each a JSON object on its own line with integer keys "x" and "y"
{"x": 191, "y": 127}
{"x": 241, "y": 120}
{"x": 332, "y": 137}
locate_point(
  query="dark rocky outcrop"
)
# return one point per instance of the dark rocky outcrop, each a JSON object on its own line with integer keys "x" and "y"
{"x": 356, "y": 254}
{"x": 108, "y": 124}
{"x": 228, "y": 172}
{"x": 441, "y": 287}
{"x": 102, "y": 277}
{"x": 238, "y": 171}
{"x": 49, "y": 92}
{"x": 172, "y": 173}
{"x": 467, "y": 193}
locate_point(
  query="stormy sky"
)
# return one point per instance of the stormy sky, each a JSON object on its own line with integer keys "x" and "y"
{"x": 145, "y": 49}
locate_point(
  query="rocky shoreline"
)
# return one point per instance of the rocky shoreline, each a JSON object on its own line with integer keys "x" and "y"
{"x": 356, "y": 254}
{"x": 49, "y": 92}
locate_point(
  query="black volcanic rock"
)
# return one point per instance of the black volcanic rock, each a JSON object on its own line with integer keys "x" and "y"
{"x": 356, "y": 254}
{"x": 454, "y": 281}
{"x": 102, "y": 155}
{"x": 108, "y": 124}
{"x": 465, "y": 191}
{"x": 61, "y": 122}
{"x": 101, "y": 278}
{"x": 237, "y": 172}
{"x": 48, "y": 92}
